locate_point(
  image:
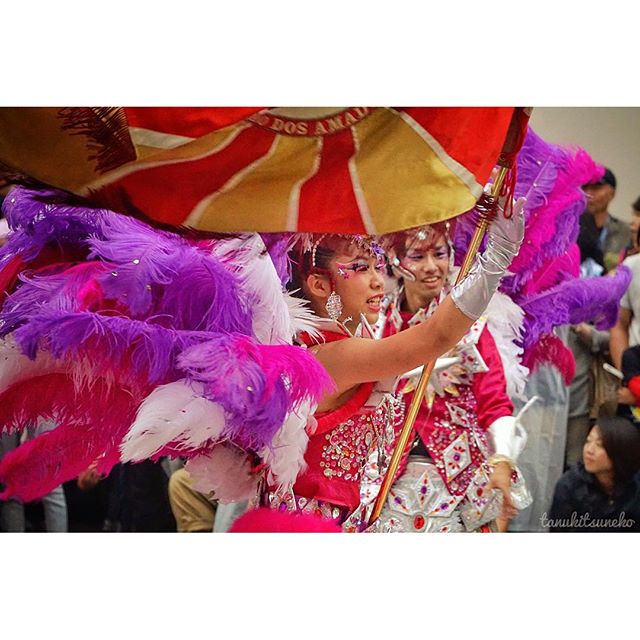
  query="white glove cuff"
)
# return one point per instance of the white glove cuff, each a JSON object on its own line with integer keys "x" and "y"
{"x": 508, "y": 437}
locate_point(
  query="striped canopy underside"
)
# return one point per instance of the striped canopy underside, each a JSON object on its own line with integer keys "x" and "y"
{"x": 392, "y": 169}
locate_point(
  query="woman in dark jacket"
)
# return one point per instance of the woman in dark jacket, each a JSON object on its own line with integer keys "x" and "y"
{"x": 602, "y": 493}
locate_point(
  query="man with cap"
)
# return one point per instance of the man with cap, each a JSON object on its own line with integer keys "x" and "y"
{"x": 602, "y": 237}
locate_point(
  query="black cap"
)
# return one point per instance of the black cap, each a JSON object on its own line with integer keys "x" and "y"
{"x": 607, "y": 178}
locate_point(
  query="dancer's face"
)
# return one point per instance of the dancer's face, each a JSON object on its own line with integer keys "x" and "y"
{"x": 356, "y": 275}
{"x": 594, "y": 455}
{"x": 428, "y": 260}
{"x": 358, "y": 279}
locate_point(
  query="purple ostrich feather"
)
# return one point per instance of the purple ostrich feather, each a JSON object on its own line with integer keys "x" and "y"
{"x": 578, "y": 300}
{"x": 550, "y": 178}
{"x": 258, "y": 385}
{"x": 159, "y": 273}
{"x": 151, "y": 272}
{"x": 38, "y": 218}
{"x": 131, "y": 350}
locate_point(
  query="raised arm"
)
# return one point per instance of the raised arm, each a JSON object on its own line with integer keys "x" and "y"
{"x": 351, "y": 362}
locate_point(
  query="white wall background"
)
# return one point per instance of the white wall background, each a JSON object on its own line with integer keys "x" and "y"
{"x": 611, "y": 135}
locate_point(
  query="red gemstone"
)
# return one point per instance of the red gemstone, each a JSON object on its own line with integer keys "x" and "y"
{"x": 418, "y": 522}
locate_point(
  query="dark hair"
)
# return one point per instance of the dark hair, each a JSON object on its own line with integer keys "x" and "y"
{"x": 431, "y": 233}
{"x": 303, "y": 264}
{"x": 621, "y": 441}
{"x": 636, "y": 205}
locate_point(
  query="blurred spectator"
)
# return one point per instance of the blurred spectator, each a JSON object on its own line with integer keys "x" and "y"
{"x": 227, "y": 514}
{"x": 602, "y": 493}
{"x": 194, "y": 512}
{"x": 586, "y": 344}
{"x": 134, "y": 497}
{"x": 602, "y": 237}
{"x": 629, "y": 393}
{"x": 626, "y": 332}
{"x": 634, "y": 228}
{"x": 54, "y": 504}
{"x": 602, "y": 240}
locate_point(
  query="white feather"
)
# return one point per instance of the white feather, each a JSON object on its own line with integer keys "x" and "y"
{"x": 225, "y": 471}
{"x": 285, "y": 458}
{"x": 174, "y": 412}
{"x": 302, "y": 318}
{"x": 504, "y": 319}
{"x": 261, "y": 285}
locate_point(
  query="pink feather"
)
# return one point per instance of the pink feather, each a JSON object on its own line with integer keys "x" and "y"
{"x": 541, "y": 233}
{"x": 555, "y": 271}
{"x": 550, "y": 350}
{"x": 91, "y": 425}
{"x": 265, "y": 520}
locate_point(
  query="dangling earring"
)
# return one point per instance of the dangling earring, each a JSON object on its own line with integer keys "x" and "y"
{"x": 334, "y": 306}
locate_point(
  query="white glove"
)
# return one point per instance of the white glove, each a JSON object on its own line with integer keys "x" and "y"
{"x": 473, "y": 294}
{"x": 508, "y": 435}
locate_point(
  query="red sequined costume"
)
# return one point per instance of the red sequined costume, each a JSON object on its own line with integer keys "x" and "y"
{"x": 346, "y": 456}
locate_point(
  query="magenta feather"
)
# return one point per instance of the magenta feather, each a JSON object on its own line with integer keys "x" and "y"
{"x": 91, "y": 426}
{"x": 71, "y": 289}
{"x": 554, "y": 271}
{"x": 552, "y": 222}
{"x": 550, "y": 177}
{"x": 263, "y": 520}
{"x": 258, "y": 385}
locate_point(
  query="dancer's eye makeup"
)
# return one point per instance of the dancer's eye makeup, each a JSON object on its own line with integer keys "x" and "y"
{"x": 349, "y": 269}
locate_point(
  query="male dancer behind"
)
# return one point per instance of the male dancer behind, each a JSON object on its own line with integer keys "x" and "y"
{"x": 453, "y": 423}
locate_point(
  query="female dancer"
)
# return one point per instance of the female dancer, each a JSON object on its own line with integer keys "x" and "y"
{"x": 191, "y": 335}
{"x": 348, "y": 452}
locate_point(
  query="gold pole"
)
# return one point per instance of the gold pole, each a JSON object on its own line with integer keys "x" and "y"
{"x": 414, "y": 407}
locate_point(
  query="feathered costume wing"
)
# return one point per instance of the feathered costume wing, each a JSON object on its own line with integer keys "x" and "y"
{"x": 140, "y": 343}
{"x": 543, "y": 289}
